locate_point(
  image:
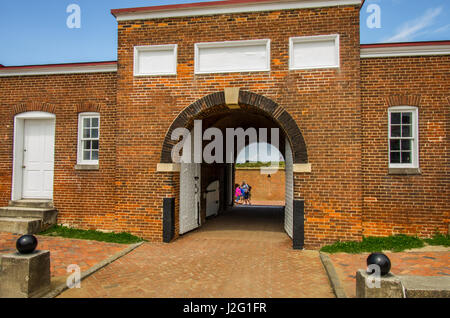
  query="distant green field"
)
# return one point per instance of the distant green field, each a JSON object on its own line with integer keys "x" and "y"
{"x": 258, "y": 164}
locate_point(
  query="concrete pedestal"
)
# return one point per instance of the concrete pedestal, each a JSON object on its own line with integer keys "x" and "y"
{"x": 390, "y": 286}
{"x": 25, "y": 276}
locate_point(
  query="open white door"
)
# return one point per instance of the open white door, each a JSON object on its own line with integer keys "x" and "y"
{"x": 212, "y": 198}
{"x": 289, "y": 193}
{"x": 38, "y": 158}
{"x": 190, "y": 187}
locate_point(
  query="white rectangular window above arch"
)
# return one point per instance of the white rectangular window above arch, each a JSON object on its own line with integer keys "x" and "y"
{"x": 310, "y": 52}
{"x": 403, "y": 137}
{"x": 155, "y": 60}
{"x": 88, "y": 138}
{"x": 232, "y": 56}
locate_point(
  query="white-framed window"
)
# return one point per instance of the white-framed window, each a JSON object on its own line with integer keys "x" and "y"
{"x": 310, "y": 52}
{"x": 88, "y": 138}
{"x": 154, "y": 60}
{"x": 232, "y": 56}
{"x": 403, "y": 137}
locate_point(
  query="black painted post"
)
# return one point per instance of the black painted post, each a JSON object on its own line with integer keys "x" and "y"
{"x": 298, "y": 240}
{"x": 168, "y": 219}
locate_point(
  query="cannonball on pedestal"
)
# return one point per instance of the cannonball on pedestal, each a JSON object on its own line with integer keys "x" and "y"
{"x": 381, "y": 260}
{"x": 26, "y": 244}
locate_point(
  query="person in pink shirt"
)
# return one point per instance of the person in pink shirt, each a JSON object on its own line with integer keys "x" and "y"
{"x": 238, "y": 193}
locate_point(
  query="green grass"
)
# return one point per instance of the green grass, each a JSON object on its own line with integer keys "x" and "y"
{"x": 439, "y": 239}
{"x": 258, "y": 164}
{"x": 395, "y": 243}
{"x": 62, "y": 231}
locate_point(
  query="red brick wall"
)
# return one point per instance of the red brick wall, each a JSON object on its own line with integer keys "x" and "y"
{"x": 346, "y": 139}
{"x": 83, "y": 198}
{"x": 263, "y": 187}
{"x": 325, "y": 103}
{"x": 417, "y": 204}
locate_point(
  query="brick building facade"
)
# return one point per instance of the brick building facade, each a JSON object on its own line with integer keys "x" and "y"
{"x": 334, "y": 120}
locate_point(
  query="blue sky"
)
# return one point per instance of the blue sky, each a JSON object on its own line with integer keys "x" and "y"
{"x": 35, "y": 31}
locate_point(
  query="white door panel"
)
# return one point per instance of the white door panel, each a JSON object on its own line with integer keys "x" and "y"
{"x": 289, "y": 192}
{"x": 189, "y": 196}
{"x": 38, "y": 158}
{"x": 212, "y": 198}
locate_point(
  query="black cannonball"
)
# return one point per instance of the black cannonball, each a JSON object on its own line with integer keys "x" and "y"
{"x": 381, "y": 260}
{"x": 26, "y": 244}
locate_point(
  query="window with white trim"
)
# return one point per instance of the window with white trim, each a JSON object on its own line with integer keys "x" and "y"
{"x": 88, "y": 138}
{"x": 403, "y": 137}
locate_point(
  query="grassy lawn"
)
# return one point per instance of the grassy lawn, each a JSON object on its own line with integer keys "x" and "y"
{"x": 395, "y": 243}
{"x": 62, "y": 231}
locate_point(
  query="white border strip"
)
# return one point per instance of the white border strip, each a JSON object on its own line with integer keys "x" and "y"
{"x": 46, "y": 70}
{"x": 232, "y": 8}
{"x": 415, "y": 50}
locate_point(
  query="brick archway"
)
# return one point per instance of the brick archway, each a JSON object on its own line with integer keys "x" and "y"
{"x": 213, "y": 101}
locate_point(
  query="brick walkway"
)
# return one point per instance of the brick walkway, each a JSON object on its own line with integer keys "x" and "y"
{"x": 241, "y": 254}
{"x": 403, "y": 263}
{"x": 64, "y": 252}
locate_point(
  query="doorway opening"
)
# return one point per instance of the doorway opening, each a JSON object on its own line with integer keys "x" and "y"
{"x": 207, "y": 190}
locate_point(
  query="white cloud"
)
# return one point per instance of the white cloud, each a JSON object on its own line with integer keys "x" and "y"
{"x": 442, "y": 29}
{"x": 410, "y": 29}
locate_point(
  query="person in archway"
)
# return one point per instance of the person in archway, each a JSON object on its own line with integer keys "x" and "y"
{"x": 237, "y": 193}
{"x": 245, "y": 189}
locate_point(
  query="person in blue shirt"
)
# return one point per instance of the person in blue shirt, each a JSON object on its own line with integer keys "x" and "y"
{"x": 245, "y": 189}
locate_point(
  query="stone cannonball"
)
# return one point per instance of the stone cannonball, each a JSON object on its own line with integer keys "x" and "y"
{"x": 26, "y": 244}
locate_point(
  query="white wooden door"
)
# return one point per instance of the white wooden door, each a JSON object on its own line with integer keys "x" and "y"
{"x": 190, "y": 196}
{"x": 212, "y": 198}
{"x": 38, "y": 158}
{"x": 289, "y": 191}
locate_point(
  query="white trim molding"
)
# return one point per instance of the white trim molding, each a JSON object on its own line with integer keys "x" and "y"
{"x": 409, "y": 50}
{"x": 297, "y": 65}
{"x": 167, "y": 48}
{"x": 223, "y": 7}
{"x": 233, "y": 56}
{"x": 58, "y": 69}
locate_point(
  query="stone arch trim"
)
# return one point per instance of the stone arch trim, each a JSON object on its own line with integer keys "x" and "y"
{"x": 268, "y": 106}
{"x": 403, "y": 100}
{"x": 33, "y": 107}
{"x": 88, "y": 106}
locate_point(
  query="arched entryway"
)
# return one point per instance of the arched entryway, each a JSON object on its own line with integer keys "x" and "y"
{"x": 249, "y": 111}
